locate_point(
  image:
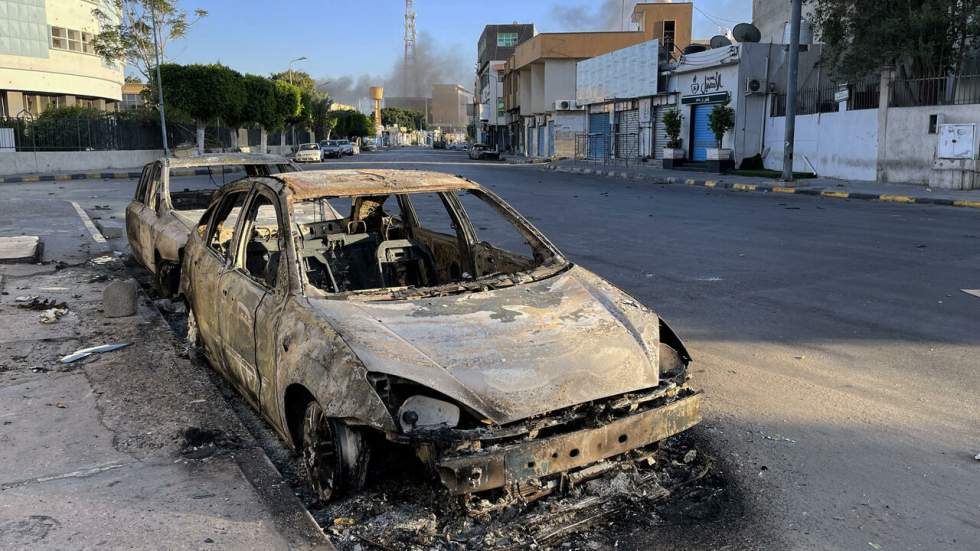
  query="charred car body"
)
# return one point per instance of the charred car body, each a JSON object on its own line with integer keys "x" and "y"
{"x": 432, "y": 313}
{"x": 158, "y": 219}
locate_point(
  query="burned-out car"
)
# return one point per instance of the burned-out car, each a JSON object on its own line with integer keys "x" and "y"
{"x": 158, "y": 219}
{"x": 419, "y": 309}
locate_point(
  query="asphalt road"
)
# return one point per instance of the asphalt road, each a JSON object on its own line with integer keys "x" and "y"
{"x": 837, "y": 351}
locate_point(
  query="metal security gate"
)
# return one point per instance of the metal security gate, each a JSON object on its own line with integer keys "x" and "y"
{"x": 627, "y": 134}
{"x": 703, "y": 138}
{"x": 599, "y": 133}
{"x": 541, "y": 141}
{"x": 551, "y": 138}
{"x": 659, "y": 133}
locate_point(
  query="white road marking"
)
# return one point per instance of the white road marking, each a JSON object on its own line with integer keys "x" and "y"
{"x": 88, "y": 223}
{"x": 974, "y": 292}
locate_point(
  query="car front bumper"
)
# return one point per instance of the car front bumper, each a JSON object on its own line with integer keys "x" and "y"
{"x": 506, "y": 465}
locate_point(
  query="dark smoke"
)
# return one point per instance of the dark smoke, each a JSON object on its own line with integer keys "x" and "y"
{"x": 603, "y": 15}
{"x": 434, "y": 64}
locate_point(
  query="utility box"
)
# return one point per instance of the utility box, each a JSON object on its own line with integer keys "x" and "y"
{"x": 957, "y": 141}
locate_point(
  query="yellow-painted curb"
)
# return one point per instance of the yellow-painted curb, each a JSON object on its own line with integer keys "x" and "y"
{"x": 970, "y": 204}
{"x": 837, "y": 194}
{"x": 93, "y": 175}
{"x": 709, "y": 183}
{"x": 62, "y": 177}
{"x": 781, "y": 189}
{"x": 30, "y": 179}
{"x": 896, "y": 198}
{"x": 744, "y": 187}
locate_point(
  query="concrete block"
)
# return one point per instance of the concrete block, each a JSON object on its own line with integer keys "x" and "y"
{"x": 119, "y": 299}
{"x": 110, "y": 229}
{"x": 20, "y": 249}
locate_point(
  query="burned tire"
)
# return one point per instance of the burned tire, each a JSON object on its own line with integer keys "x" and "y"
{"x": 335, "y": 455}
{"x": 167, "y": 278}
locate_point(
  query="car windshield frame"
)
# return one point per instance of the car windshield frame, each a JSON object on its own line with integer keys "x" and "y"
{"x": 552, "y": 262}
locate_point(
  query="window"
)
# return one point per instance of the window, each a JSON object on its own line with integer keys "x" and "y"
{"x": 223, "y": 226}
{"x": 259, "y": 258}
{"x": 933, "y": 123}
{"x": 506, "y": 40}
{"x": 505, "y": 249}
{"x": 71, "y": 40}
{"x": 669, "y": 36}
{"x": 431, "y": 214}
{"x": 500, "y": 107}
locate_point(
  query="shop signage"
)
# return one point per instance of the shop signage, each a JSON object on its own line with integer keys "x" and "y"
{"x": 708, "y": 98}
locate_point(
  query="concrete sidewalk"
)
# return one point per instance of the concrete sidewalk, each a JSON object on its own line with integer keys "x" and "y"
{"x": 822, "y": 187}
{"x": 135, "y": 448}
{"x": 124, "y": 174}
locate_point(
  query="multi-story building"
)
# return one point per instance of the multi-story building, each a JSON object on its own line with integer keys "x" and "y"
{"x": 449, "y": 108}
{"x": 772, "y": 16}
{"x": 540, "y": 77}
{"x": 47, "y": 58}
{"x": 496, "y": 45}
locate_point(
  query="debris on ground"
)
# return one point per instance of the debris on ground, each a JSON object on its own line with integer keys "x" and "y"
{"x": 86, "y": 352}
{"x": 201, "y": 443}
{"x": 103, "y": 260}
{"x": 52, "y": 315}
{"x": 399, "y": 511}
{"x": 977, "y": 457}
{"x": 34, "y": 302}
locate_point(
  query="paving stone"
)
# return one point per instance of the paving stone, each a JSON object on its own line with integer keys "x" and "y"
{"x": 20, "y": 249}
{"x": 119, "y": 299}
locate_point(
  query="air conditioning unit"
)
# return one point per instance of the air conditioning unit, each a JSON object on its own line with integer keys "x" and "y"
{"x": 754, "y": 86}
{"x": 567, "y": 105}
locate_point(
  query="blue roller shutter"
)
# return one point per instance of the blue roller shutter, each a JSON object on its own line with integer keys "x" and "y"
{"x": 703, "y": 138}
{"x": 541, "y": 141}
{"x": 599, "y": 132}
{"x": 551, "y": 138}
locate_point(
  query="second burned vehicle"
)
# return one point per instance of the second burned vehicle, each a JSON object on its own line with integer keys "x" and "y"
{"x": 419, "y": 309}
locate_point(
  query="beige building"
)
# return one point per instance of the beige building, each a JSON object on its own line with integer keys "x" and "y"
{"x": 449, "y": 107}
{"x": 47, "y": 59}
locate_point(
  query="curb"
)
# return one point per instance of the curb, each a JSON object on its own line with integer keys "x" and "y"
{"x": 100, "y": 176}
{"x": 766, "y": 188}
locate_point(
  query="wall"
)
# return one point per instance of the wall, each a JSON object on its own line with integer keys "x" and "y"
{"x": 909, "y": 148}
{"x": 537, "y": 88}
{"x": 771, "y": 15}
{"x": 524, "y": 91}
{"x": 834, "y": 145}
{"x": 44, "y": 162}
{"x": 568, "y": 124}
{"x": 559, "y": 82}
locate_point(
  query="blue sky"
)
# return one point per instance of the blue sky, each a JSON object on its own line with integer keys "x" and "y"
{"x": 343, "y": 37}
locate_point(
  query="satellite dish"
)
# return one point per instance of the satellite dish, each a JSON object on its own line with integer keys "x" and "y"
{"x": 746, "y": 32}
{"x": 694, "y": 48}
{"x": 719, "y": 41}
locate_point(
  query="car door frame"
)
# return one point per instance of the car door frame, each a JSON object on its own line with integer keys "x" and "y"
{"x": 148, "y": 217}
{"x": 246, "y": 298}
{"x": 203, "y": 287}
{"x": 133, "y": 211}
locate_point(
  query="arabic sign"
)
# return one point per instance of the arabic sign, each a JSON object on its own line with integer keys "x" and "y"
{"x": 706, "y": 83}
{"x": 709, "y": 98}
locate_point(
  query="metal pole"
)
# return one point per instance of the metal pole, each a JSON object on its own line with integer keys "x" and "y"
{"x": 289, "y": 70}
{"x": 792, "y": 75}
{"x": 156, "y": 52}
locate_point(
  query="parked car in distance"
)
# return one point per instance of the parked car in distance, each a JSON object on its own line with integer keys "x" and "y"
{"x": 369, "y": 144}
{"x": 459, "y": 146}
{"x": 308, "y": 153}
{"x": 159, "y": 219}
{"x": 439, "y": 144}
{"x": 331, "y": 148}
{"x": 482, "y": 151}
{"x": 346, "y": 147}
{"x": 417, "y": 309}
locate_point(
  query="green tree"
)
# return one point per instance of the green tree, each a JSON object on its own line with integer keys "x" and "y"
{"x": 412, "y": 120}
{"x": 353, "y": 124}
{"x": 672, "y": 126}
{"x": 126, "y": 33}
{"x": 205, "y": 93}
{"x": 301, "y": 79}
{"x": 930, "y": 37}
{"x": 721, "y": 120}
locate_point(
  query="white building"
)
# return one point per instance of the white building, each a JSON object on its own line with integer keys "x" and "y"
{"x": 47, "y": 58}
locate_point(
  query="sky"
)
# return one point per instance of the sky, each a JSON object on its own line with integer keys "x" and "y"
{"x": 363, "y": 40}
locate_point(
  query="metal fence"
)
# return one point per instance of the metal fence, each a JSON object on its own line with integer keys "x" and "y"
{"x": 935, "y": 90}
{"x": 861, "y": 94}
{"x": 608, "y": 149}
{"x": 109, "y": 131}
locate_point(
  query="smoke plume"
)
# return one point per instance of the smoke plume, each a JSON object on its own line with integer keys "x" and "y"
{"x": 609, "y": 15}
{"x": 434, "y": 64}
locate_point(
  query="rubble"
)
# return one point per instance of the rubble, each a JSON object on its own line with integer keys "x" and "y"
{"x": 119, "y": 299}
{"x": 86, "y": 352}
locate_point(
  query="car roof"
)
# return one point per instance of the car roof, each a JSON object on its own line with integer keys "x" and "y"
{"x": 224, "y": 159}
{"x": 311, "y": 184}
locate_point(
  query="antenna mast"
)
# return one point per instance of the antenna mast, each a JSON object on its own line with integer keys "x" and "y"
{"x": 408, "y": 72}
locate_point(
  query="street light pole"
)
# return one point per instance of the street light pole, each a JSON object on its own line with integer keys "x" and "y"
{"x": 792, "y": 76}
{"x": 289, "y": 71}
{"x": 156, "y": 52}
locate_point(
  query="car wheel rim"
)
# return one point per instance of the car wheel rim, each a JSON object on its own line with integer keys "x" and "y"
{"x": 319, "y": 452}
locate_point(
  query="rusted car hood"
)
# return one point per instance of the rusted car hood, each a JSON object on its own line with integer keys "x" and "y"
{"x": 509, "y": 353}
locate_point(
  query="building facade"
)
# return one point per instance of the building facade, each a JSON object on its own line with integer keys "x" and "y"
{"x": 450, "y": 107}
{"x": 540, "y": 78}
{"x": 771, "y": 17}
{"x": 47, "y": 58}
{"x": 496, "y": 45}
